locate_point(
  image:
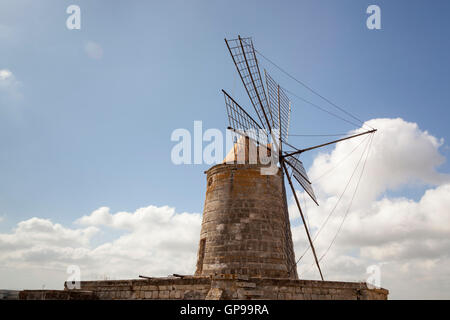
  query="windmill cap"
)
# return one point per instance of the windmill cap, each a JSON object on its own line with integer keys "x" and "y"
{"x": 245, "y": 149}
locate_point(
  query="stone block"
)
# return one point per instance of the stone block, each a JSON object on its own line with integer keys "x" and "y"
{"x": 164, "y": 294}
{"x": 307, "y": 290}
{"x": 246, "y": 284}
{"x": 214, "y": 294}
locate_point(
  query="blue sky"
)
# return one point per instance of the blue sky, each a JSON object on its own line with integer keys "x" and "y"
{"x": 87, "y": 133}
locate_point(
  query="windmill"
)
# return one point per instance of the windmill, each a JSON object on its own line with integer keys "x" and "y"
{"x": 273, "y": 109}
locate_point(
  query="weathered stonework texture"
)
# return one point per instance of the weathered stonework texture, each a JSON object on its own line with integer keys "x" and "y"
{"x": 214, "y": 288}
{"x": 245, "y": 228}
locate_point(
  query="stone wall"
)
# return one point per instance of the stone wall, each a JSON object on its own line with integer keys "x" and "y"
{"x": 57, "y": 295}
{"x": 9, "y": 294}
{"x": 227, "y": 287}
{"x": 157, "y": 288}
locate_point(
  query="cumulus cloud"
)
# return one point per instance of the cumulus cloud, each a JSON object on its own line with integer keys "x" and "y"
{"x": 5, "y": 74}
{"x": 408, "y": 238}
{"x": 401, "y": 154}
{"x": 93, "y": 50}
{"x": 156, "y": 241}
{"x": 9, "y": 86}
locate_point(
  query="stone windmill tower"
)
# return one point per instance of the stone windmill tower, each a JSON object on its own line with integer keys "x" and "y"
{"x": 246, "y": 228}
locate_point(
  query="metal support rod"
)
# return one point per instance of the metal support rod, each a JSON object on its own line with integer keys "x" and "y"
{"x": 242, "y": 109}
{"x": 242, "y": 133}
{"x": 254, "y": 85}
{"x": 303, "y": 218}
{"x": 279, "y": 122}
{"x": 328, "y": 143}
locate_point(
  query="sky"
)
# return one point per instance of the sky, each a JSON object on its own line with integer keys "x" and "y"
{"x": 86, "y": 118}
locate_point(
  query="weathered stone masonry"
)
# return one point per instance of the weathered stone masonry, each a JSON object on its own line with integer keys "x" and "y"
{"x": 245, "y": 228}
{"x": 214, "y": 288}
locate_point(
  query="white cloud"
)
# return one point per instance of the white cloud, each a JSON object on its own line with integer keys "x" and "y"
{"x": 156, "y": 241}
{"x": 9, "y": 86}
{"x": 401, "y": 154}
{"x": 5, "y": 75}
{"x": 408, "y": 238}
{"x": 93, "y": 50}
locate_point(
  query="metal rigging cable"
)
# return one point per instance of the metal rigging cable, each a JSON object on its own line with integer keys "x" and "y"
{"x": 348, "y": 209}
{"x": 311, "y": 89}
{"x": 339, "y": 162}
{"x": 318, "y": 135}
{"x": 351, "y": 202}
{"x": 339, "y": 199}
{"x": 306, "y": 211}
{"x": 321, "y": 108}
{"x": 290, "y": 145}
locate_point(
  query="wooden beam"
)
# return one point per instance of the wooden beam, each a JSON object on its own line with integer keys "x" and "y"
{"x": 328, "y": 143}
{"x": 303, "y": 218}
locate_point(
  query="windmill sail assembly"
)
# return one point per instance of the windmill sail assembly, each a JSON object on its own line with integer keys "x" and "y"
{"x": 273, "y": 113}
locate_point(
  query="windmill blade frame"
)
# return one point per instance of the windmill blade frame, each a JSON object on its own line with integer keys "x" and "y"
{"x": 244, "y": 57}
{"x": 300, "y": 175}
{"x": 280, "y": 106}
{"x": 243, "y": 123}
